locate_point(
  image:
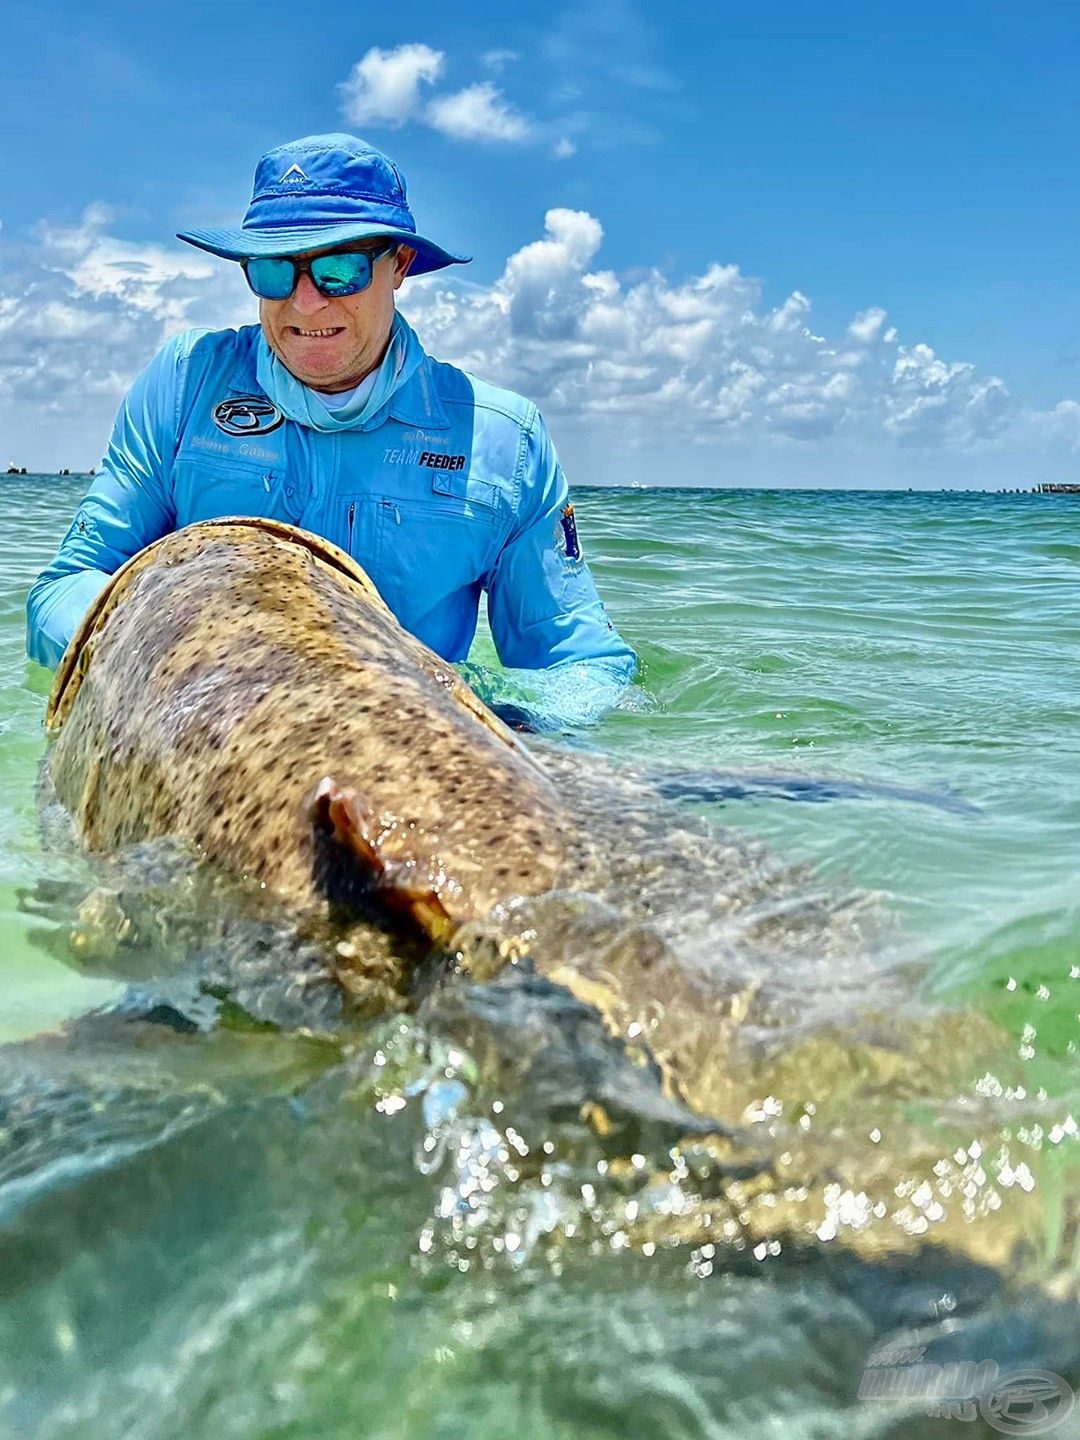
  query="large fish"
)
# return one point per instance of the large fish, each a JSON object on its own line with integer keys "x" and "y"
{"x": 241, "y": 684}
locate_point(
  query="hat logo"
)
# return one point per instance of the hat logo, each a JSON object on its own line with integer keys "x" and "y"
{"x": 294, "y": 175}
{"x": 247, "y": 415}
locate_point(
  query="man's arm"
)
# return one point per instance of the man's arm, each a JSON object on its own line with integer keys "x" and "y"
{"x": 128, "y": 506}
{"x": 545, "y": 614}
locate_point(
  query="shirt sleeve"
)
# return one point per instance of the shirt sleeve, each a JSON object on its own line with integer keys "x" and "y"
{"x": 128, "y": 506}
{"x": 543, "y": 608}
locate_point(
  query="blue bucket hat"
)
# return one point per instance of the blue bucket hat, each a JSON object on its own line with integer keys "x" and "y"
{"x": 320, "y": 191}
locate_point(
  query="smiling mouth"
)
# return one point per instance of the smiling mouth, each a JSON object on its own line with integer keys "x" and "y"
{"x": 315, "y": 334}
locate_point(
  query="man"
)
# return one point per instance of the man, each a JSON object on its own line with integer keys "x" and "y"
{"x": 329, "y": 415}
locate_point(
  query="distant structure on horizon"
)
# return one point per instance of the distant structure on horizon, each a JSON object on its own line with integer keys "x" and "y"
{"x": 14, "y": 469}
{"x": 1058, "y": 488}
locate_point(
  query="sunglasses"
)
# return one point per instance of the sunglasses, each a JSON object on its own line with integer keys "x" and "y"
{"x": 344, "y": 272}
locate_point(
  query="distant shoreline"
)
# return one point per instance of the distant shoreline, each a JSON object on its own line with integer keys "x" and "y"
{"x": 1042, "y": 491}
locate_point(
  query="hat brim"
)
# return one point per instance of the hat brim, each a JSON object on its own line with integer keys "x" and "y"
{"x": 295, "y": 239}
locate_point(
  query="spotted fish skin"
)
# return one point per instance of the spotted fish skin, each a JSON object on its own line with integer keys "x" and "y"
{"x": 240, "y": 682}
{"x": 232, "y": 667}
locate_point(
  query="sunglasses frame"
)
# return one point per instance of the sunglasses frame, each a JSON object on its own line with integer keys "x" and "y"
{"x": 304, "y": 267}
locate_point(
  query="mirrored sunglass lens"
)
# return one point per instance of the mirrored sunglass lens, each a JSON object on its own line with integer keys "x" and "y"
{"x": 272, "y": 279}
{"x": 342, "y": 274}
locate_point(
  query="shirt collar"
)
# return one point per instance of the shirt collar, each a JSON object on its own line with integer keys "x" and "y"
{"x": 416, "y": 403}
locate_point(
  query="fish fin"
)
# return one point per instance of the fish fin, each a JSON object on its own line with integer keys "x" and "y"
{"x": 716, "y": 786}
{"x": 403, "y": 886}
{"x": 346, "y": 815}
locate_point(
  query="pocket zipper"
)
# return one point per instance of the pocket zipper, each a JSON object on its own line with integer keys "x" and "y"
{"x": 352, "y": 517}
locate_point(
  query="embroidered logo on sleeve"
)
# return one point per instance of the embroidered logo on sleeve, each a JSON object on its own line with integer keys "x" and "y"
{"x": 566, "y": 534}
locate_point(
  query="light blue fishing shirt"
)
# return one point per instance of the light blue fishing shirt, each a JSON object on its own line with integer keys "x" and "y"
{"x": 448, "y": 489}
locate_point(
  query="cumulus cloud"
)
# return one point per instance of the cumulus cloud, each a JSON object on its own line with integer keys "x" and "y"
{"x": 383, "y": 88}
{"x": 479, "y": 112}
{"x": 1062, "y": 423}
{"x": 603, "y": 48}
{"x": 678, "y": 367}
{"x": 867, "y": 325}
{"x": 929, "y": 399}
{"x": 701, "y": 358}
{"x": 145, "y": 279}
{"x": 81, "y": 311}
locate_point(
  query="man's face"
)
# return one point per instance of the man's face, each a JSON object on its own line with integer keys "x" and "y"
{"x": 331, "y": 344}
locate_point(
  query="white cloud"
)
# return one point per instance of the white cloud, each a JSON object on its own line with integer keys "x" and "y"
{"x": 867, "y": 325}
{"x": 594, "y": 67}
{"x": 930, "y": 399}
{"x": 790, "y": 315}
{"x": 498, "y": 59}
{"x": 701, "y": 359}
{"x": 142, "y": 278}
{"x": 479, "y": 112}
{"x": 81, "y": 311}
{"x": 384, "y": 87}
{"x": 665, "y": 374}
{"x": 1061, "y": 424}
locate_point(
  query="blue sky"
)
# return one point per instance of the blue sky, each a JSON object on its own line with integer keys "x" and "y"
{"x": 751, "y": 192}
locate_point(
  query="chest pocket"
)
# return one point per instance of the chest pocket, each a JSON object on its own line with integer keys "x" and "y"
{"x": 426, "y": 548}
{"x": 209, "y": 486}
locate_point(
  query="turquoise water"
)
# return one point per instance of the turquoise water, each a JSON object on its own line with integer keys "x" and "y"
{"x": 248, "y": 1257}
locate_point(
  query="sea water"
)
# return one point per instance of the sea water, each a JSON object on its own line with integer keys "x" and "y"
{"x": 252, "y": 1264}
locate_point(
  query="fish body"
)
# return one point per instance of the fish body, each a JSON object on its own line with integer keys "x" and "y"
{"x": 241, "y": 684}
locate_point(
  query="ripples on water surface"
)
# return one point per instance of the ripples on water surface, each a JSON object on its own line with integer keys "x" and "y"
{"x": 243, "y": 1234}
